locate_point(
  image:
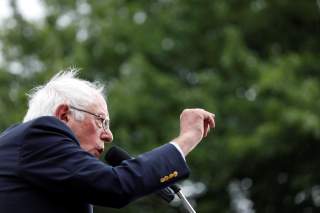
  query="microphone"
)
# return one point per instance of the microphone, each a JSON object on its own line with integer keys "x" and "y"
{"x": 116, "y": 155}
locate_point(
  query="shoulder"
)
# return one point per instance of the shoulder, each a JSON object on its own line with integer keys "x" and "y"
{"x": 39, "y": 127}
{"x": 45, "y": 131}
{"x": 49, "y": 125}
{"x": 45, "y": 138}
{"x": 47, "y": 121}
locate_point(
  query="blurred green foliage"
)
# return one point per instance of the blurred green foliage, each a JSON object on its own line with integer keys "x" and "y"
{"x": 254, "y": 63}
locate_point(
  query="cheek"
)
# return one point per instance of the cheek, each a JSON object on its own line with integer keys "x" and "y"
{"x": 88, "y": 137}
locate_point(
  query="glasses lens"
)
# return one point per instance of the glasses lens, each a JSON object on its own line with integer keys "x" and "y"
{"x": 105, "y": 124}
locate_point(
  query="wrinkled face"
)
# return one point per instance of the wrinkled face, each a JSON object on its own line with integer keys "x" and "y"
{"x": 89, "y": 131}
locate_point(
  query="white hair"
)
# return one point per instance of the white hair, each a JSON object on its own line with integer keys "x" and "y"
{"x": 64, "y": 88}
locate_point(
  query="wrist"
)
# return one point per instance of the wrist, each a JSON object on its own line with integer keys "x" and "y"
{"x": 186, "y": 142}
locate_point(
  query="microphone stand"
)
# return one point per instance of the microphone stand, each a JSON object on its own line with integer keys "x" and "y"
{"x": 184, "y": 200}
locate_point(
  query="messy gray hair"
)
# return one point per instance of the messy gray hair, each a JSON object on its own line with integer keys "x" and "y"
{"x": 63, "y": 88}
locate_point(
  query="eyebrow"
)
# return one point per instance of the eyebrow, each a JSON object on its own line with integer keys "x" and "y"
{"x": 105, "y": 115}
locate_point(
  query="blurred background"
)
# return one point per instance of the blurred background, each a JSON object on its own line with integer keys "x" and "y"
{"x": 254, "y": 63}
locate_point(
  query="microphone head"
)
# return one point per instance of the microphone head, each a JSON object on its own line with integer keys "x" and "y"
{"x": 116, "y": 155}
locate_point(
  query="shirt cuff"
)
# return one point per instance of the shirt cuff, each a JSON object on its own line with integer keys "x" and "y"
{"x": 179, "y": 149}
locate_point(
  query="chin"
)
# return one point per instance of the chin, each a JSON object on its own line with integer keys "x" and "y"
{"x": 95, "y": 153}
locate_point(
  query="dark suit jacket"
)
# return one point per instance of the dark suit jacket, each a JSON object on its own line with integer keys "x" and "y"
{"x": 44, "y": 170}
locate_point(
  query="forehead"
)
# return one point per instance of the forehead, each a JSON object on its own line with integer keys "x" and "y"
{"x": 100, "y": 106}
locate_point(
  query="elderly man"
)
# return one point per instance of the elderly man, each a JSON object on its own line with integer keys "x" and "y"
{"x": 49, "y": 163}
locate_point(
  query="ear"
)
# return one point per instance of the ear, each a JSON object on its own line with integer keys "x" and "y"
{"x": 62, "y": 112}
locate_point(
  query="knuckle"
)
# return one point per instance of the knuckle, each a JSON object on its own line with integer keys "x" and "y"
{"x": 185, "y": 111}
{"x": 197, "y": 113}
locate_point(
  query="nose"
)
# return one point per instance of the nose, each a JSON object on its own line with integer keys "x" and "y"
{"x": 106, "y": 136}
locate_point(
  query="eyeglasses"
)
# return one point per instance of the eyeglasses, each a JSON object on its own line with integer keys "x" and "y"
{"x": 103, "y": 122}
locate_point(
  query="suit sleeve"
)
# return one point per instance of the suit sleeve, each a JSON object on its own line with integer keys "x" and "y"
{"x": 52, "y": 160}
